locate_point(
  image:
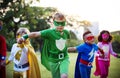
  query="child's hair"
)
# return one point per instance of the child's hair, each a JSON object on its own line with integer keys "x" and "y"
{"x": 58, "y": 16}
{"x": 100, "y": 36}
{"x": 85, "y": 33}
{"x": 20, "y": 31}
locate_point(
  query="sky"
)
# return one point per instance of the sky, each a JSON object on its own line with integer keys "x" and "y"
{"x": 105, "y": 12}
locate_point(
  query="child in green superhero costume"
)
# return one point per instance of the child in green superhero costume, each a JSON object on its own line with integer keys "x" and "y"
{"x": 54, "y": 55}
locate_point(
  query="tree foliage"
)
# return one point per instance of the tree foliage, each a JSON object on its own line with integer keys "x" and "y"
{"x": 18, "y": 13}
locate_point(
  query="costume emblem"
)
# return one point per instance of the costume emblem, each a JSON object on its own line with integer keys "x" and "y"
{"x": 60, "y": 43}
{"x": 18, "y": 55}
{"x": 91, "y": 54}
{"x": 105, "y": 49}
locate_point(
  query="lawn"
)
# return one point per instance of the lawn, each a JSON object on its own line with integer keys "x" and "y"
{"x": 114, "y": 70}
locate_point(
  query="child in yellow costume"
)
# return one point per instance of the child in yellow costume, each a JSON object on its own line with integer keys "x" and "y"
{"x": 25, "y": 60}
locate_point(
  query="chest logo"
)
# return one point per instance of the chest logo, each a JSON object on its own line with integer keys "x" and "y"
{"x": 105, "y": 48}
{"x": 60, "y": 44}
{"x": 18, "y": 55}
{"x": 91, "y": 54}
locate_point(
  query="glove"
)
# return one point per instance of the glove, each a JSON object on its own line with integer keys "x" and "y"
{"x": 7, "y": 62}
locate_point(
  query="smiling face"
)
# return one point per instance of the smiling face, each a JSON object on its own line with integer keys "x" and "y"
{"x": 88, "y": 37}
{"x": 59, "y": 21}
{"x": 105, "y": 36}
{"x": 21, "y": 32}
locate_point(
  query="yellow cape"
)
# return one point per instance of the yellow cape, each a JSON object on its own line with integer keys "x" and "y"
{"x": 34, "y": 69}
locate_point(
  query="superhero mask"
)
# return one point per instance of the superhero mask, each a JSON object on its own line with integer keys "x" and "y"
{"x": 105, "y": 36}
{"x": 90, "y": 38}
{"x": 59, "y": 23}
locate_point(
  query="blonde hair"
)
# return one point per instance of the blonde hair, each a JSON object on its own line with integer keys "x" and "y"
{"x": 59, "y": 16}
{"x": 22, "y": 30}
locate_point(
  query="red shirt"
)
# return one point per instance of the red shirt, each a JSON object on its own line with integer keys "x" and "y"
{"x": 3, "y": 48}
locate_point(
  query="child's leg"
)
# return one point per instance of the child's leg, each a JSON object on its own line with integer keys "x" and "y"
{"x": 23, "y": 74}
{"x": 54, "y": 68}
{"x": 64, "y": 65}
{"x": 89, "y": 72}
{"x": 107, "y": 68}
{"x": 16, "y": 74}
{"x": 103, "y": 70}
{"x": 19, "y": 74}
{"x": 84, "y": 71}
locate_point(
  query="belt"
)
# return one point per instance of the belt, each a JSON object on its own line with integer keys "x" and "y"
{"x": 57, "y": 56}
{"x": 85, "y": 62}
{"x": 22, "y": 66}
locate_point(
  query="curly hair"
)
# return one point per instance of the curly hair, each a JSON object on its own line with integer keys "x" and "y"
{"x": 100, "y": 36}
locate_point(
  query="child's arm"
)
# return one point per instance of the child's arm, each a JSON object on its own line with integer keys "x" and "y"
{"x": 71, "y": 49}
{"x": 112, "y": 52}
{"x": 26, "y": 36}
{"x": 101, "y": 51}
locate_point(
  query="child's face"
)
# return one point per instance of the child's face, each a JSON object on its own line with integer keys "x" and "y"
{"x": 18, "y": 35}
{"x": 59, "y": 23}
{"x": 105, "y": 36}
{"x": 89, "y": 38}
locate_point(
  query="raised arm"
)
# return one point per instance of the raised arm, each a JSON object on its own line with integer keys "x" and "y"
{"x": 112, "y": 52}
{"x": 26, "y": 36}
{"x": 33, "y": 35}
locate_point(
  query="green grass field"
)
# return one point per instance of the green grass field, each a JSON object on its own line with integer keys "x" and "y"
{"x": 114, "y": 70}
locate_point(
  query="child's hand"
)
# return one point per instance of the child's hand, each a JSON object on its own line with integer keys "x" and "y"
{"x": 101, "y": 55}
{"x": 7, "y": 62}
{"x": 118, "y": 56}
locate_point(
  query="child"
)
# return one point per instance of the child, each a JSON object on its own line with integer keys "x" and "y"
{"x": 54, "y": 55}
{"x": 24, "y": 58}
{"x": 3, "y": 50}
{"x": 103, "y": 63}
{"x": 85, "y": 55}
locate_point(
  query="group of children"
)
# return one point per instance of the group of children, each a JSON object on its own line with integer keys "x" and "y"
{"x": 88, "y": 49}
{"x": 54, "y": 54}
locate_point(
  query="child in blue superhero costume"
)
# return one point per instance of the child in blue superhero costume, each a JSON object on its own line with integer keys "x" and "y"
{"x": 85, "y": 57}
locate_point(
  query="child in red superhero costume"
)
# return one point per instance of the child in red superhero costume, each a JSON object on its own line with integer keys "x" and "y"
{"x": 2, "y": 54}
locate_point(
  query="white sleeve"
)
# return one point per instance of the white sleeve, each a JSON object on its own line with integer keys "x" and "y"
{"x": 11, "y": 57}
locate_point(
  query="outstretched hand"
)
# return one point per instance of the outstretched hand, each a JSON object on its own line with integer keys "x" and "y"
{"x": 101, "y": 55}
{"x": 20, "y": 40}
{"x": 118, "y": 56}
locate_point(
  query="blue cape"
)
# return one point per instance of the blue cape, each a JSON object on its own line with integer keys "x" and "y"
{"x": 77, "y": 69}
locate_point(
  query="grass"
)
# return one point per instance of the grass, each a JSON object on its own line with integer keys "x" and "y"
{"x": 114, "y": 70}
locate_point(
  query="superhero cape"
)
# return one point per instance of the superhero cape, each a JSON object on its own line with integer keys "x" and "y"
{"x": 77, "y": 69}
{"x": 44, "y": 55}
{"x": 97, "y": 71}
{"x": 34, "y": 69}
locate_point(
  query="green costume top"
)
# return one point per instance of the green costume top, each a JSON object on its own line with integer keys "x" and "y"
{"x": 54, "y": 46}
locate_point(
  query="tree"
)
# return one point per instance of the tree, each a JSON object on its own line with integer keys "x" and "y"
{"x": 18, "y": 13}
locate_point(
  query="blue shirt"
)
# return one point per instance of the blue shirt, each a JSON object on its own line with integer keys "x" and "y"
{"x": 87, "y": 51}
